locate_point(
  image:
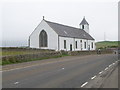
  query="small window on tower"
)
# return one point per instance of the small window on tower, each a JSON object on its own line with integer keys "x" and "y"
{"x": 82, "y": 26}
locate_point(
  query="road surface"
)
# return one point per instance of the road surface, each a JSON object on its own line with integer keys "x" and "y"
{"x": 65, "y": 72}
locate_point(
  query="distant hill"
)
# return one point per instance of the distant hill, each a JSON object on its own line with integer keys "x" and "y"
{"x": 107, "y": 44}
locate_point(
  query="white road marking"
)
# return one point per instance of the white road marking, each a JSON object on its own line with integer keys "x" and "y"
{"x": 63, "y": 68}
{"x": 110, "y": 65}
{"x": 30, "y": 66}
{"x": 16, "y": 82}
{"x": 106, "y": 68}
{"x": 84, "y": 84}
{"x": 113, "y": 63}
{"x": 101, "y": 72}
{"x": 93, "y": 77}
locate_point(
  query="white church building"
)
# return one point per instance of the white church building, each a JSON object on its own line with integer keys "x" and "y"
{"x": 54, "y": 36}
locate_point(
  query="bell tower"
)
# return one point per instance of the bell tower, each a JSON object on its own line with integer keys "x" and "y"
{"x": 84, "y": 25}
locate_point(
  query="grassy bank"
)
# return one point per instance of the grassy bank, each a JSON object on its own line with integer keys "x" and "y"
{"x": 6, "y": 51}
{"x": 107, "y": 44}
{"x": 28, "y": 60}
{"x": 19, "y": 55}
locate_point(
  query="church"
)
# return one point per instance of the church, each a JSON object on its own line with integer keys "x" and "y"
{"x": 55, "y": 36}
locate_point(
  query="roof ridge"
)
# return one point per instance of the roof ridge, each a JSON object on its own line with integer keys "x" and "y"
{"x": 71, "y": 31}
{"x": 63, "y": 25}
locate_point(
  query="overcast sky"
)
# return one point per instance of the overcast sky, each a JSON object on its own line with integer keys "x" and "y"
{"x": 20, "y": 17}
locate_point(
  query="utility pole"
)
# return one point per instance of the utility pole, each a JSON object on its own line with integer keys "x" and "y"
{"x": 104, "y": 36}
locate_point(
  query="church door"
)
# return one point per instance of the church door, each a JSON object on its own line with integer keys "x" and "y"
{"x": 70, "y": 47}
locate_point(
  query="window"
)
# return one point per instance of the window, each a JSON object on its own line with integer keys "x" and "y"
{"x": 43, "y": 39}
{"x": 85, "y": 45}
{"x": 92, "y": 44}
{"x": 64, "y": 44}
{"x": 76, "y": 44}
{"x": 82, "y": 26}
{"x": 81, "y": 41}
{"x": 81, "y": 44}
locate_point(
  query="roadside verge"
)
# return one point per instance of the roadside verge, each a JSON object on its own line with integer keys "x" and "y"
{"x": 108, "y": 78}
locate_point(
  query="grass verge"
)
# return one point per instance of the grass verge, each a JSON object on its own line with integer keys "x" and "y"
{"x": 21, "y": 61}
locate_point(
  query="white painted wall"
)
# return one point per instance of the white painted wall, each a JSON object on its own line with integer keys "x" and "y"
{"x": 90, "y": 44}
{"x": 80, "y": 46}
{"x": 52, "y": 37}
{"x": 53, "y": 40}
{"x": 68, "y": 42}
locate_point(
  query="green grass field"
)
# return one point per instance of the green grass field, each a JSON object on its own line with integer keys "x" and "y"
{"x": 16, "y": 52}
{"x": 10, "y": 54}
{"x": 107, "y": 44}
{"x": 20, "y": 51}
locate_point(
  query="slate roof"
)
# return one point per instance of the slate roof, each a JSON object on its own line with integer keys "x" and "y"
{"x": 68, "y": 31}
{"x": 84, "y": 22}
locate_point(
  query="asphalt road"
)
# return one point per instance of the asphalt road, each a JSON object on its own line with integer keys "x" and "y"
{"x": 65, "y": 72}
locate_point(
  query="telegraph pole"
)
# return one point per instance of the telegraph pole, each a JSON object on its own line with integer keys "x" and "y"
{"x": 104, "y": 36}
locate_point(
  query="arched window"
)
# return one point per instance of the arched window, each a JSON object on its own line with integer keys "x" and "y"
{"x": 43, "y": 39}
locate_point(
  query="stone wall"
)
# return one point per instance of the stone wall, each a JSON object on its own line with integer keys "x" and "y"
{"x": 89, "y": 52}
{"x": 29, "y": 57}
{"x": 45, "y": 55}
